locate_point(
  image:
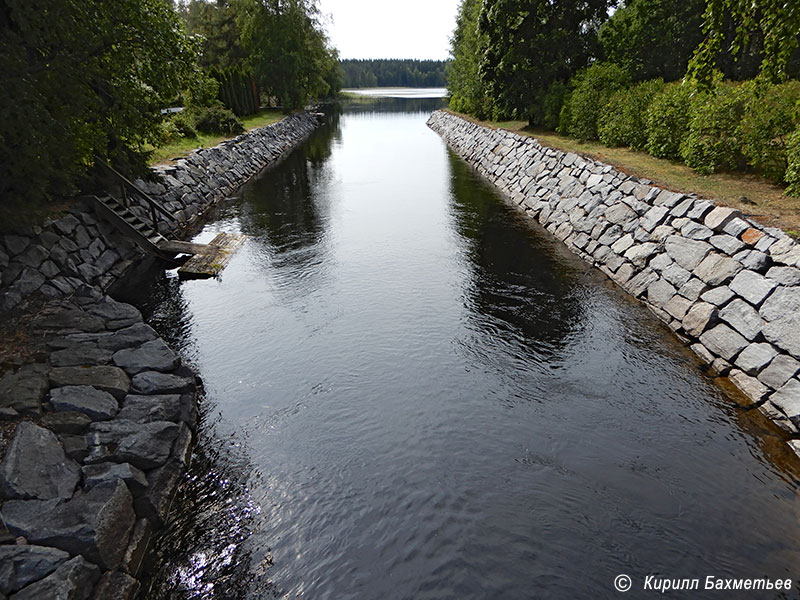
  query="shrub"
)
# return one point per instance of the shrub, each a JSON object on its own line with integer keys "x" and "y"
{"x": 565, "y": 115}
{"x": 552, "y": 101}
{"x": 184, "y": 124}
{"x": 667, "y": 120}
{"x": 714, "y": 141}
{"x": 167, "y": 133}
{"x": 217, "y": 119}
{"x": 769, "y": 120}
{"x": 623, "y": 121}
{"x": 592, "y": 88}
{"x": 792, "y": 176}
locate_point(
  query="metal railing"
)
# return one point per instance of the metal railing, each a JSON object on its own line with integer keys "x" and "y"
{"x": 144, "y": 200}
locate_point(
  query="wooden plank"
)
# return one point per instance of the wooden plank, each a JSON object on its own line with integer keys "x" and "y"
{"x": 214, "y": 257}
{"x": 180, "y": 247}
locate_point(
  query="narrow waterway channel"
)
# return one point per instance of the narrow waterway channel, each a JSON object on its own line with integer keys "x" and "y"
{"x": 412, "y": 392}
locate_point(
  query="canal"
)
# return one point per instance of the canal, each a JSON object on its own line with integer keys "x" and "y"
{"x": 413, "y": 392}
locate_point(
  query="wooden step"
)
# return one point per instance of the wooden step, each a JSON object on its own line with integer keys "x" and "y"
{"x": 212, "y": 258}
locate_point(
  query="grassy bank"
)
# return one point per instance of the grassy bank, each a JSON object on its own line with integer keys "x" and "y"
{"x": 185, "y": 146}
{"x": 760, "y": 199}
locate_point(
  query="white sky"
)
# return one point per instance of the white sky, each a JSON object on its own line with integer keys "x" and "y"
{"x": 383, "y": 29}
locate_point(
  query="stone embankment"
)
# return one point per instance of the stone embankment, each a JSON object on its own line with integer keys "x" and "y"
{"x": 102, "y": 425}
{"x": 724, "y": 284}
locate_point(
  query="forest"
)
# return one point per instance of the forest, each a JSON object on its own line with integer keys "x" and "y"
{"x": 88, "y": 80}
{"x": 711, "y": 83}
{"x": 393, "y": 73}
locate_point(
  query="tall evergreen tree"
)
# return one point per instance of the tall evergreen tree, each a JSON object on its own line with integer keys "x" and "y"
{"x": 288, "y": 49}
{"x": 467, "y": 91}
{"x": 531, "y": 44}
{"x": 653, "y": 38}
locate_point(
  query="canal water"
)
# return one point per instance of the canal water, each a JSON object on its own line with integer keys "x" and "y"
{"x": 413, "y": 392}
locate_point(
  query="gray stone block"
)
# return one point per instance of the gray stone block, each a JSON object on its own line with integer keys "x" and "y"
{"x": 787, "y": 276}
{"x": 153, "y": 382}
{"x": 779, "y": 371}
{"x": 144, "y": 445}
{"x": 755, "y": 357}
{"x": 35, "y": 466}
{"x": 105, "y": 378}
{"x": 150, "y": 356}
{"x": 752, "y": 287}
{"x": 699, "y": 318}
{"x": 785, "y": 334}
{"x": 73, "y": 580}
{"x": 781, "y": 303}
{"x": 787, "y": 399}
{"x": 96, "y": 404}
{"x": 724, "y": 341}
{"x": 687, "y": 253}
{"x": 659, "y": 292}
{"x": 743, "y": 318}
{"x": 716, "y": 269}
{"x": 23, "y": 565}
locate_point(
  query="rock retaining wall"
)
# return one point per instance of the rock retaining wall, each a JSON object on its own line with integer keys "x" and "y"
{"x": 724, "y": 284}
{"x": 102, "y": 426}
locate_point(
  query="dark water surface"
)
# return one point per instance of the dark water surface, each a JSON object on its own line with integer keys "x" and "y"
{"x": 415, "y": 393}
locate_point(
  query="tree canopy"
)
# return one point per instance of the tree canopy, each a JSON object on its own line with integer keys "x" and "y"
{"x": 531, "y": 44}
{"x": 653, "y": 38}
{"x": 288, "y": 50}
{"x": 82, "y": 79}
{"x": 773, "y": 26}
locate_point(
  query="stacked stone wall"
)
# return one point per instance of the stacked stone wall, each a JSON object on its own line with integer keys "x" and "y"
{"x": 79, "y": 248}
{"x": 727, "y": 286}
{"x": 101, "y": 426}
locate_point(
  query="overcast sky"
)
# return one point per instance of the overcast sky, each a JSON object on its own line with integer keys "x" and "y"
{"x": 396, "y": 29}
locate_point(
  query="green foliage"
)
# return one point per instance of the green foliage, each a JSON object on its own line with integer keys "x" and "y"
{"x": 217, "y": 119}
{"x": 552, "y": 102}
{"x": 204, "y": 91}
{"x": 288, "y": 50}
{"x": 530, "y": 44}
{"x": 714, "y": 141}
{"x": 774, "y": 23}
{"x": 768, "y": 122}
{"x": 592, "y": 89}
{"x": 565, "y": 116}
{"x": 82, "y": 79}
{"x": 237, "y": 90}
{"x": 357, "y": 73}
{"x": 653, "y": 38}
{"x": 183, "y": 122}
{"x": 216, "y": 23}
{"x": 624, "y": 118}
{"x": 667, "y": 120}
{"x": 792, "y": 176}
{"x": 467, "y": 91}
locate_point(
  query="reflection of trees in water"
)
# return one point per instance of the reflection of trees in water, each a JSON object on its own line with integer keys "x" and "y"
{"x": 527, "y": 291}
{"x": 281, "y": 207}
{"x": 366, "y": 104}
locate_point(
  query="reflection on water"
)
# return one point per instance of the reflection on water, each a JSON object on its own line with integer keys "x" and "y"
{"x": 413, "y": 392}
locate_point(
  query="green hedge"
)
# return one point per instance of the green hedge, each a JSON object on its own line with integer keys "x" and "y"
{"x": 667, "y": 121}
{"x": 770, "y": 117}
{"x": 592, "y": 89}
{"x": 624, "y": 118}
{"x": 714, "y": 141}
{"x": 752, "y": 126}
